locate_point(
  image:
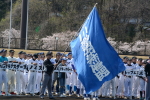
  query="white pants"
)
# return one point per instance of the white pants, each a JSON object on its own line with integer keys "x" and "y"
{"x": 135, "y": 86}
{"x": 101, "y": 91}
{"x": 11, "y": 80}
{"x": 73, "y": 79}
{"x": 38, "y": 81}
{"x": 108, "y": 88}
{"x": 80, "y": 86}
{"x": 95, "y": 94}
{"x": 68, "y": 79}
{"x": 20, "y": 82}
{"x": 26, "y": 81}
{"x": 142, "y": 85}
{"x": 120, "y": 90}
{"x": 128, "y": 86}
{"x": 3, "y": 79}
{"x": 31, "y": 82}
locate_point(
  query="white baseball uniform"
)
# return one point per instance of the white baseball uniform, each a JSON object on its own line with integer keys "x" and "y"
{"x": 128, "y": 82}
{"x": 39, "y": 76}
{"x": 31, "y": 78}
{"x": 26, "y": 72}
{"x": 136, "y": 81}
{"x": 20, "y": 78}
{"x": 142, "y": 81}
{"x": 11, "y": 76}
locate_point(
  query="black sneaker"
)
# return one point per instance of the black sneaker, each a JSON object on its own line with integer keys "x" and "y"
{"x": 51, "y": 98}
{"x": 133, "y": 97}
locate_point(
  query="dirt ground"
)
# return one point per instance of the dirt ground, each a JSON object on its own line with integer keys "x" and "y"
{"x": 54, "y": 52}
{"x": 37, "y": 98}
{"x": 46, "y": 98}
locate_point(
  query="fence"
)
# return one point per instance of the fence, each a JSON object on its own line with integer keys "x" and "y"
{"x": 35, "y": 44}
{"x": 137, "y": 48}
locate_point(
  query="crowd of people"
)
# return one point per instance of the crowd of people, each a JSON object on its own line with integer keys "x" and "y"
{"x": 47, "y": 81}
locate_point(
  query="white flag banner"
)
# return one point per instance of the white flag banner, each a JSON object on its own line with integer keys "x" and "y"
{"x": 35, "y": 67}
{"x": 135, "y": 72}
{"x": 63, "y": 69}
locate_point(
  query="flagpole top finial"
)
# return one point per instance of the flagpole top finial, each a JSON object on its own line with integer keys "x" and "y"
{"x": 95, "y": 4}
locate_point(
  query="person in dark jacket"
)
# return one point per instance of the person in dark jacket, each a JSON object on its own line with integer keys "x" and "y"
{"x": 147, "y": 71}
{"x": 47, "y": 80}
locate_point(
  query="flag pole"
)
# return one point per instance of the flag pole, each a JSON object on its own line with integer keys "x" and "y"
{"x": 10, "y": 24}
{"x": 71, "y": 40}
{"x": 77, "y": 32}
{"x": 95, "y": 4}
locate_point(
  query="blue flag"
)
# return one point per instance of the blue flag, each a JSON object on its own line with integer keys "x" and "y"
{"x": 95, "y": 59}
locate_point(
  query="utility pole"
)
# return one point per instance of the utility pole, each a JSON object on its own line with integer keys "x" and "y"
{"x": 10, "y": 31}
{"x": 23, "y": 24}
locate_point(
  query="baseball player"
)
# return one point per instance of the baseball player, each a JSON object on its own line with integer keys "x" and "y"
{"x": 11, "y": 73}
{"x": 26, "y": 71}
{"x": 32, "y": 75}
{"x": 42, "y": 56}
{"x": 120, "y": 90}
{"x": 74, "y": 76}
{"x": 39, "y": 74}
{"x": 55, "y": 74}
{"x": 3, "y": 76}
{"x": 86, "y": 96}
{"x": 142, "y": 79}
{"x": 136, "y": 80}
{"x": 107, "y": 87}
{"x": 79, "y": 88}
{"x": 95, "y": 95}
{"x": 69, "y": 79}
{"x": 128, "y": 80}
{"x": 62, "y": 76}
{"x": 20, "y": 79}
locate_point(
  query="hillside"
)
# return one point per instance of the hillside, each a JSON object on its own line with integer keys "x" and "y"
{"x": 124, "y": 20}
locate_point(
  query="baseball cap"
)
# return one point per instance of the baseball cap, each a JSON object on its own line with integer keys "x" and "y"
{"x": 125, "y": 57}
{"x": 21, "y": 52}
{"x": 140, "y": 59}
{"x": 58, "y": 53}
{"x": 69, "y": 54}
{"x": 3, "y": 50}
{"x": 64, "y": 58}
{"x": 41, "y": 53}
{"x": 134, "y": 57}
{"x": 11, "y": 51}
{"x": 49, "y": 53}
{"x": 35, "y": 55}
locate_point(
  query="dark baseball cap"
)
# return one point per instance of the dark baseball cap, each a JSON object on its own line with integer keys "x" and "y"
{"x": 21, "y": 52}
{"x": 69, "y": 54}
{"x": 12, "y": 51}
{"x": 134, "y": 57}
{"x": 49, "y": 53}
{"x": 35, "y": 55}
{"x": 140, "y": 59}
{"x": 125, "y": 57}
{"x": 3, "y": 50}
{"x": 58, "y": 53}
